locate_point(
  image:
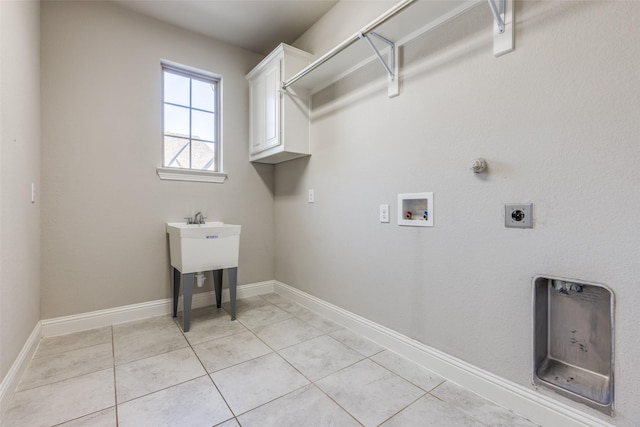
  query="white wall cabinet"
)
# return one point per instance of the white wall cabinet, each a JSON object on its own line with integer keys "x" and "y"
{"x": 279, "y": 118}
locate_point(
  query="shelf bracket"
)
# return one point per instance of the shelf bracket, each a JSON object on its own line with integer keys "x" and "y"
{"x": 503, "y": 26}
{"x": 498, "y": 13}
{"x": 392, "y": 66}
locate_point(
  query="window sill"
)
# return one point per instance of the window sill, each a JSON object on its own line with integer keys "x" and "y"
{"x": 176, "y": 174}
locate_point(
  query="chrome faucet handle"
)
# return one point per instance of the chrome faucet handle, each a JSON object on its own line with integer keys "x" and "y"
{"x": 189, "y": 220}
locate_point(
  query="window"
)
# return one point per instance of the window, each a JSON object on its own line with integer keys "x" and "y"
{"x": 191, "y": 124}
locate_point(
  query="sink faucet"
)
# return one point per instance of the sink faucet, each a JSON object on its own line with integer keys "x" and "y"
{"x": 198, "y": 218}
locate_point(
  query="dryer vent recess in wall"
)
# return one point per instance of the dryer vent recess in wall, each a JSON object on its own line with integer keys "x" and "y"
{"x": 573, "y": 340}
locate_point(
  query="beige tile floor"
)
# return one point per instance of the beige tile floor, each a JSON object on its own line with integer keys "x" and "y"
{"x": 279, "y": 365}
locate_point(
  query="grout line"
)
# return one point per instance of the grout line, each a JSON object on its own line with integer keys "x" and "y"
{"x": 311, "y": 382}
{"x": 273, "y": 351}
{"x": 405, "y": 407}
{"x": 204, "y": 367}
{"x": 162, "y": 389}
{"x": 61, "y": 380}
{"x": 207, "y": 373}
{"x": 407, "y": 379}
{"x": 115, "y": 382}
{"x": 35, "y": 357}
{"x": 33, "y": 387}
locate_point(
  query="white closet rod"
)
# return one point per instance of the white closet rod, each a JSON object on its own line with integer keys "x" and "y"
{"x": 345, "y": 44}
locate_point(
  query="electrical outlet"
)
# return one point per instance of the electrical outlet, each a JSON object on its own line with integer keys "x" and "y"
{"x": 518, "y": 216}
{"x": 311, "y": 197}
{"x": 384, "y": 213}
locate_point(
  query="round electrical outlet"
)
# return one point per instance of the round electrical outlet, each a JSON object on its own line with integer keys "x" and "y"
{"x": 517, "y": 215}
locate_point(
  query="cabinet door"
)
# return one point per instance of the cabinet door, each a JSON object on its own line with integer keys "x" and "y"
{"x": 272, "y": 105}
{"x": 257, "y": 97}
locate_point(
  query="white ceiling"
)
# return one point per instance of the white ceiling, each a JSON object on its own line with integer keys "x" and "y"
{"x": 256, "y": 25}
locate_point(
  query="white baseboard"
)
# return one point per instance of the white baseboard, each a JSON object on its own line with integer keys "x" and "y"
{"x": 11, "y": 380}
{"x": 539, "y": 408}
{"x": 128, "y": 313}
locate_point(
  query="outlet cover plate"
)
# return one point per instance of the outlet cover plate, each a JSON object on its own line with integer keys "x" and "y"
{"x": 518, "y": 215}
{"x": 384, "y": 213}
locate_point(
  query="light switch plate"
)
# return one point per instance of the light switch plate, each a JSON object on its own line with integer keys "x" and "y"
{"x": 518, "y": 215}
{"x": 384, "y": 213}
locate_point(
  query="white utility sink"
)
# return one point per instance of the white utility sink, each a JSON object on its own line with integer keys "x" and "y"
{"x": 203, "y": 247}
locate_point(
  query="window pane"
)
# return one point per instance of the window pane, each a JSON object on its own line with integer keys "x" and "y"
{"x": 176, "y": 152}
{"x": 203, "y": 155}
{"x": 203, "y": 95}
{"x": 176, "y": 89}
{"x": 176, "y": 120}
{"x": 191, "y": 120}
{"x": 203, "y": 125}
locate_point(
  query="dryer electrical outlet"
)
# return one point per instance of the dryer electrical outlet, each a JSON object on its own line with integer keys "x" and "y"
{"x": 518, "y": 216}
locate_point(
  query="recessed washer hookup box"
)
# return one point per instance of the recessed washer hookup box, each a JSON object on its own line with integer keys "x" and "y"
{"x": 415, "y": 209}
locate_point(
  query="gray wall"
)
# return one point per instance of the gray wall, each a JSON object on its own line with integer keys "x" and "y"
{"x": 19, "y": 167}
{"x": 557, "y": 121}
{"x": 104, "y": 207}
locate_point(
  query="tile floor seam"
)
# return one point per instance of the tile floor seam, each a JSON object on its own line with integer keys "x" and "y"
{"x": 296, "y": 369}
{"x": 115, "y": 381}
{"x": 60, "y": 380}
{"x": 329, "y": 374}
{"x": 207, "y": 373}
{"x": 293, "y": 345}
{"x": 375, "y": 354}
{"x": 287, "y": 320}
{"x": 270, "y": 401}
{"x": 235, "y": 416}
{"x": 220, "y": 393}
{"x": 319, "y": 379}
{"x": 147, "y": 357}
{"x": 236, "y": 364}
{"x": 337, "y": 403}
{"x": 272, "y": 351}
{"x": 215, "y": 339}
{"x": 54, "y": 337}
{"x": 160, "y": 389}
{"x": 407, "y": 379}
{"x": 423, "y": 392}
{"x": 72, "y": 350}
{"x": 35, "y": 357}
{"x": 301, "y": 373}
{"x": 404, "y": 408}
{"x": 293, "y": 391}
{"x": 439, "y": 384}
{"x": 457, "y": 409}
{"x": 82, "y": 416}
{"x": 18, "y": 390}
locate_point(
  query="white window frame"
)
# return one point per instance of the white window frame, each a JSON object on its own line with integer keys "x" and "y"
{"x": 199, "y": 175}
